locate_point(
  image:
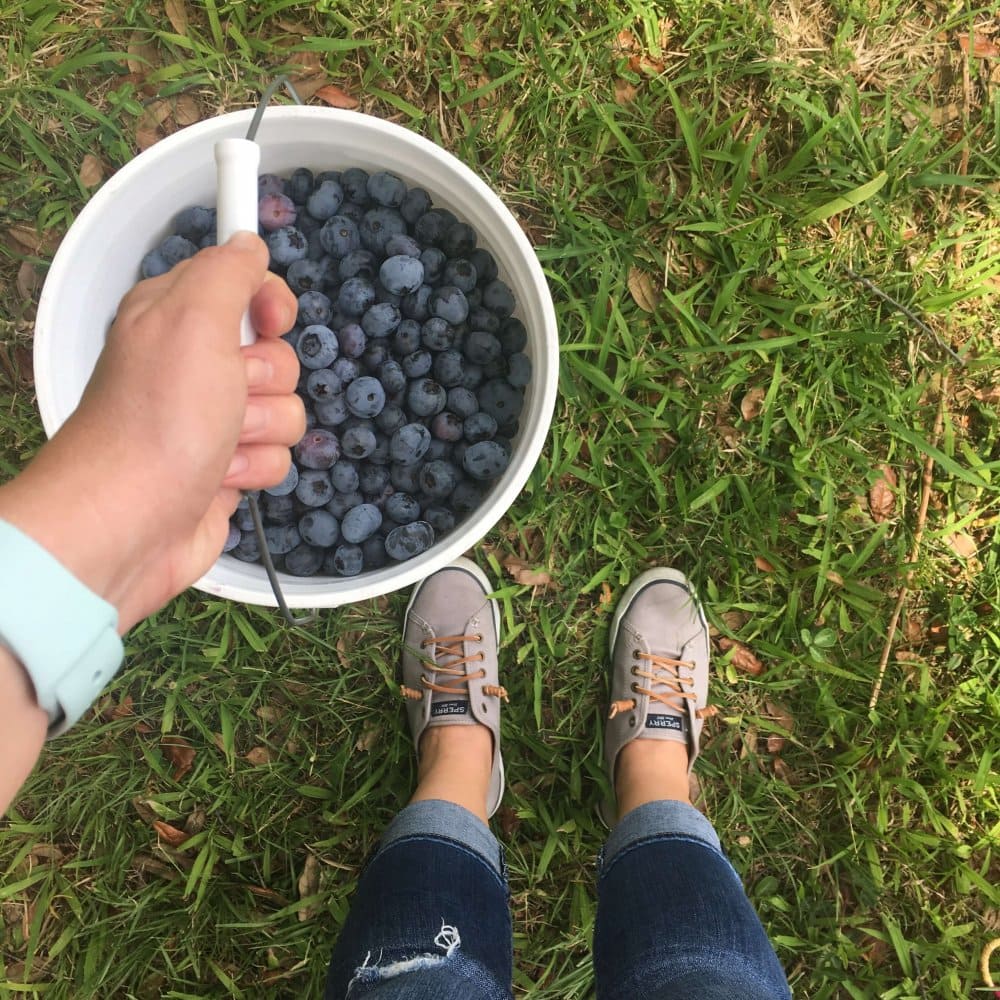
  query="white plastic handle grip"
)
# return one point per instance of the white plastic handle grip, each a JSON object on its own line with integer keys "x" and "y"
{"x": 237, "y": 161}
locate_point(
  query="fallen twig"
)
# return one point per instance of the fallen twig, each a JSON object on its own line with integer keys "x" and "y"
{"x": 927, "y": 483}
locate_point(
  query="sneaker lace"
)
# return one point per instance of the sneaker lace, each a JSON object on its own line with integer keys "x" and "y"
{"x": 664, "y": 671}
{"x": 451, "y": 646}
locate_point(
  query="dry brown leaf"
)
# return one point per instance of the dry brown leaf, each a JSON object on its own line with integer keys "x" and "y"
{"x": 143, "y": 56}
{"x": 337, "y": 97}
{"x": 269, "y": 713}
{"x": 606, "y": 596}
{"x": 783, "y": 771}
{"x": 763, "y": 565}
{"x": 646, "y": 65}
{"x": 176, "y": 11}
{"x": 643, "y": 289}
{"x": 882, "y": 495}
{"x": 308, "y": 885}
{"x": 775, "y": 743}
{"x": 523, "y": 574}
{"x": 743, "y": 840}
{"x": 28, "y": 280}
{"x": 752, "y": 403}
{"x": 195, "y": 823}
{"x": 982, "y": 47}
{"x": 269, "y": 894}
{"x": 625, "y": 92}
{"x": 626, "y": 41}
{"x": 153, "y": 866}
{"x": 964, "y": 546}
{"x": 32, "y": 241}
{"x": 509, "y": 821}
{"x": 258, "y": 756}
{"x": 170, "y": 834}
{"x": 734, "y": 619}
{"x": 187, "y": 110}
{"x": 91, "y": 171}
{"x": 367, "y": 739}
{"x": 743, "y": 659}
{"x": 46, "y": 852}
{"x": 780, "y": 714}
{"x": 145, "y": 810}
{"x": 308, "y": 86}
{"x": 180, "y": 753}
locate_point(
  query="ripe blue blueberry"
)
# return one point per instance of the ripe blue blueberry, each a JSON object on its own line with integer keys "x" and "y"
{"x": 374, "y": 552}
{"x": 315, "y": 488}
{"x": 436, "y": 334}
{"x": 406, "y": 339}
{"x": 281, "y": 538}
{"x": 376, "y": 353}
{"x": 248, "y": 548}
{"x": 450, "y": 368}
{"x": 287, "y": 485}
{"x": 195, "y": 223}
{"x": 325, "y": 200}
{"x": 404, "y": 477}
{"x": 317, "y": 347}
{"x": 498, "y": 298}
{"x": 402, "y": 244}
{"x": 439, "y": 518}
{"x": 409, "y": 540}
{"x": 447, "y": 426}
{"x": 332, "y": 412}
{"x": 315, "y": 309}
{"x": 417, "y": 305}
{"x": 391, "y": 418}
{"x": 299, "y": 185}
{"x": 347, "y": 369}
{"x": 339, "y": 236}
{"x": 378, "y": 226}
{"x": 373, "y": 478}
{"x": 434, "y": 261}
{"x": 356, "y": 296}
{"x": 486, "y": 266}
{"x": 485, "y": 460}
{"x": 340, "y": 503}
{"x": 479, "y": 427}
{"x": 437, "y": 479}
{"x": 415, "y": 203}
{"x": 430, "y": 228}
{"x": 417, "y": 364}
{"x": 320, "y": 528}
{"x": 365, "y": 396}
{"x": 403, "y": 508}
{"x": 287, "y": 245}
{"x": 409, "y": 444}
{"x": 277, "y": 509}
{"x": 481, "y": 348}
{"x": 352, "y": 340}
{"x": 459, "y": 240}
{"x": 304, "y": 560}
{"x": 348, "y": 560}
{"x": 153, "y": 264}
{"x": 305, "y": 276}
{"x": 344, "y": 476}
{"x": 174, "y": 249}
{"x": 360, "y": 523}
{"x": 462, "y": 402}
{"x": 358, "y": 442}
{"x": 425, "y": 397}
{"x": 449, "y": 303}
{"x": 381, "y": 319}
{"x": 323, "y": 384}
{"x": 232, "y": 538}
{"x": 519, "y": 370}
{"x": 358, "y": 264}
{"x": 392, "y": 376}
{"x": 466, "y": 497}
{"x": 460, "y": 273}
{"x": 386, "y": 189}
{"x": 501, "y": 400}
{"x": 355, "y": 184}
{"x": 401, "y": 274}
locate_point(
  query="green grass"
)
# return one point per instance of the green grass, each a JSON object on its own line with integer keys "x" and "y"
{"x": 771, "y": 157}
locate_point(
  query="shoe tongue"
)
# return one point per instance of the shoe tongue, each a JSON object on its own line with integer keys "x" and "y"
{"x": 665, "y": 725}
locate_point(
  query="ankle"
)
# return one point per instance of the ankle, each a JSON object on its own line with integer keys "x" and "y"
{"x": 650, "y": 771}
{"x": 455, "y": 765}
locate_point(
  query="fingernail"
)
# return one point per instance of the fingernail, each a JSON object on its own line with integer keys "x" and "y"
{"x": 244, "y": 240}
{"x": 240, "y": 463}
{"x": 259, "y": 372}
{"x": 255, "y": 418}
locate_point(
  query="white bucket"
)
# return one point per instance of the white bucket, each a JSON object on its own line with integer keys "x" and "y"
{"x": 98, "y": 262}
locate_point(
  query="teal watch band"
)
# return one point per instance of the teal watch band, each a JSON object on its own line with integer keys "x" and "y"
{"x": 65, "y": 636}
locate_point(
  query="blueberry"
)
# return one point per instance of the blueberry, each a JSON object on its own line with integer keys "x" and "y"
{"x": 449, "y": 303}
{"x": 481, "y": 347}
{"x": 417, "y": 305}
{"x": 358, "y": 442}
{"x": 501, "y": 400}
{"x": 352, "y": 340}
{"x": 482, "y": 319}
{"x": 378, "y": 226}
{"x": 386, "y": 189}
{"x": 328, "y": 175}
{"x": 447, "y": 427}
{"x": 323, "y": 384}
{"x": 436, "y": 334}
{"x": 404, "y": 477}
{"x": 278, "y": 510}
{"x": 402, "y": 508}
{"x": 373, "y": 479}
{"x": 208, "y": 240}
{"x": 153, "y": 264}
{"x": 459, "y": 240}
{"x": 315, "y": 488}
{"x": 391, "y": 418}
{"x": 355, "y": 184}
{"x": 344, "y": 476}
{"x": 417, "y": 364}
{"x": 431, "y": 227}
{"x": 299, "y": 185}
{"x": 462, "y": 402}
{"x": 281, "y": 538}
{"x": 248, "y": 548}
{"x": 325, "y": 200}
{"x": 320, "y": 528}
{"x": 356, "y": 296}
{"x": 275, "y": 211}
{"x": 434, "y": 261}
{"x": 305, "y": 276}
{"x": 333, "y": 411}
{"x": 317, "y": 347}
{"x": 287, "y": 245}
{"x": 380, "y": 454}
{"x": 353, "y": 211}
{"x": 472, "y": 377}
{"x": 415, "y": 203}
{"x": 402, "y": 244}
{"x": 269, "y": 184}
{"x": 374, "y": 552}
{"x": 409, "y": 444}
{"x": 382, "y": 294}
{"x": 392, "y": 376}
{"x": 381, "y": 319}
{"x": 360, "y": 523}
{"x": 437, "y": 479}
{"x": 340, "y": 236}
{"x": 341, "y": 503}
{"x": 450, "y": 368}
{"x": 409, "y": 540}
{"x": 365, "y": 396}
{"x": 348, "y": 560}
{"x": 347, "y": 369}
{"x": 497, "y": 368}
{"x": 439, "y": 518}
{"x": 466, "y": 497}
{"x": 376, "y": 353}
{"x": 401, "y": 274}
{"x": 304, "y": 560}
{"x": 519, "y": 370}
{"x": 406, "y": 339}
{"x": 485, "y": 265}
{"x": 317, "y": 449}
{"x": 498, "y": 298}
{"x": 358, "y": 264}
{"x": 174, "y": 249}
{"x": 479, "y": 427}
{"x": 232, "y": 538}
{"x": 438, "y": 450}
{"x": 425, "y": 397}
{"x": 315, "y": 309}
{"x": 485, "y": 460}
{"x": 195, "y": 223}
{"x": 461, "y": 274}
{"x": 287, "y": 485}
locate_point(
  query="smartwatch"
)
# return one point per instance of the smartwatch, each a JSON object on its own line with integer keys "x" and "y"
{"x": 63, "y": 634}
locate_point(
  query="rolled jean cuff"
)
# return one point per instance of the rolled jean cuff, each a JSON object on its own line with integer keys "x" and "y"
{"x": 666, "y": 818}
{"x": 449, "y": 822}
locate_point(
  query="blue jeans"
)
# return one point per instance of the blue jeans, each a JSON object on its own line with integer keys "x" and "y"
{"x": 431, "y": 920}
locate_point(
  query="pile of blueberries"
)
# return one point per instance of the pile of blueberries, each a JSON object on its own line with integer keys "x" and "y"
{"x": 413, "y": 369}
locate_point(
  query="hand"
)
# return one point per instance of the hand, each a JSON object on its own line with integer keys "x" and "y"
{"x": 135, "y": 491}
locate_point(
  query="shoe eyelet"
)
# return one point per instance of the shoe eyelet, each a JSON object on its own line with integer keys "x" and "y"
{"x": 634, "y": 671}
{"x": 478, "y": 638}
{"x": 635, "y": 687}
{"x": 631, "y": 721}
{"x": 483, "y": 706}
{"x": 635, "y": 654}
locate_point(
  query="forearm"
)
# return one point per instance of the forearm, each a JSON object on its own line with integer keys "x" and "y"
{"x": 23, "y": 725}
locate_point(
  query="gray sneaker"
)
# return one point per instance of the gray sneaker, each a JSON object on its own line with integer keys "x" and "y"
{"x": 451, "y": 635}
{"x": 659, "y": 668}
